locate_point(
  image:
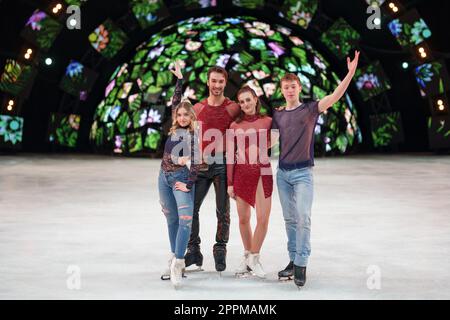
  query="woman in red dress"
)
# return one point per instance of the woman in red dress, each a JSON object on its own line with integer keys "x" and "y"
{"x": 249, "y": 175}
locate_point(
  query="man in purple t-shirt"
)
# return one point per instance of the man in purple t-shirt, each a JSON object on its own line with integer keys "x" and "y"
{"x": 296, "y": 122}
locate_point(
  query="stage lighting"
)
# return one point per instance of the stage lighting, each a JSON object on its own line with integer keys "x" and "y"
{"x": 56, "y": 8}
{"x": 28, "y": 54}
{"x": 73, "y": 22}
{"x": 11, "y": 104}
{"x": 422, "y": 52}
{"x": 377, "y": 21}
{"x": 393, "y": 7}
{"x": 48, "y": 61}
{"x": 439, "y": 105}
{"x": 405, "y": 65}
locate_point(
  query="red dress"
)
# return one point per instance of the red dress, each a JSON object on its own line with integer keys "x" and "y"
{"x": 249, "y": 141}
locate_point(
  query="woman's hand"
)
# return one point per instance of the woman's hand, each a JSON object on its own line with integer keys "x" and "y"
{"x": 181, "y": 186}
{"x": 177, "y": 71}
{"x": 183, "y": 160}
{"x": 353, "y": 64}
{"x": 231, "y": 192}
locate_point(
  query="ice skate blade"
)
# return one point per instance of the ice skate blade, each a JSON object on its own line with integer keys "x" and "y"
{"x": 242, "y": 274}
{"x": 285, "y": 279}
{"x": 193, "y": 269}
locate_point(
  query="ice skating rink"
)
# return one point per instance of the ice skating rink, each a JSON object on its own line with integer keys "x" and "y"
{"x": 91, "y": 227}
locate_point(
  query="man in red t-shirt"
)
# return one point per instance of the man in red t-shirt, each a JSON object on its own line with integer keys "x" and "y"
{"x": 214, "y": 115}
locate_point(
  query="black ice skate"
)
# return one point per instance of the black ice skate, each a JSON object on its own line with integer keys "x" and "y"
{"x": 220, "y": 255}
{"x": 299, "y": 276}
{"x": 193, "y": 258}
{"x": 287, "y": 273}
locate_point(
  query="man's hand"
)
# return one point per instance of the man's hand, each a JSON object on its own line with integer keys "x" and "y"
{"x": 231, "y": 192}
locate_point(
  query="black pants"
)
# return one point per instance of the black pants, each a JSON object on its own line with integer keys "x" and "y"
{"x": 216, "y": 175}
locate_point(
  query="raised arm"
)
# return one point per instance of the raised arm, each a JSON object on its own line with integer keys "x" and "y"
{"x": 178, "y": 93}
{"x": 328, "y": 101}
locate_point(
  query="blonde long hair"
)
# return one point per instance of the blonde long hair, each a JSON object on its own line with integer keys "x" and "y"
{"x": 185, "y": 104}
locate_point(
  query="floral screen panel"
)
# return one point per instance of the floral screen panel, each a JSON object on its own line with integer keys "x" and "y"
{"x": 78, "y": 80}
{"x": 108, "y": 39}
{"x": 371, "y": 81}
{"x": 439, "y": 132}
{"x": 340, "y": 38}
{"x": 11, "y": 132}
{"x": 387, "y": 129}
{"x": 17, "y": 78}
{"x": 63, "y": 129}
{"x": 41, "y": 30}
{"x": 432, "y": 78}
{"x": 409, "y": 29}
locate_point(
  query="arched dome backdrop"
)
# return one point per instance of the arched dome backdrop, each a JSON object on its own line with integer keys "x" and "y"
{"x": 107, "y": 86}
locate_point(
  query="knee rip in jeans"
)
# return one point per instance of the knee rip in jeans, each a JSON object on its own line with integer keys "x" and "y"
{"x": 164, "y": 209}
{"x": 183, "y": 206}
{"x": 186, "y": 220}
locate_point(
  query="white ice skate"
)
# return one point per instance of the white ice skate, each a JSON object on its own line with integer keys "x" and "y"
{"x": 255, "y": 265}
{"x": 176, "y": 272}
{"x": 243, "y": 268}
{"x": 165, "y": 275}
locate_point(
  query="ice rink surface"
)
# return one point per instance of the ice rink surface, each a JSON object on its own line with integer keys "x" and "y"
{"x": 380, "y": 230}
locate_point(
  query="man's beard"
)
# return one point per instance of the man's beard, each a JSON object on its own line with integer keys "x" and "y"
{"x": 216, "y": 92}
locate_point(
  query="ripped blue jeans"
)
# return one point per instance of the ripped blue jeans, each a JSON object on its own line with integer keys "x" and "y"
{"x": 178, "y": 207}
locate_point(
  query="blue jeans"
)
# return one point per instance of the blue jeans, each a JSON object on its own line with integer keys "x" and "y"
{"x": 295, "y": 188}
{"x": 178, "y": 207}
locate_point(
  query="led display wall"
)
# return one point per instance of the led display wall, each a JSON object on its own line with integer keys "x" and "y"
{"x": 254, "y": 53}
